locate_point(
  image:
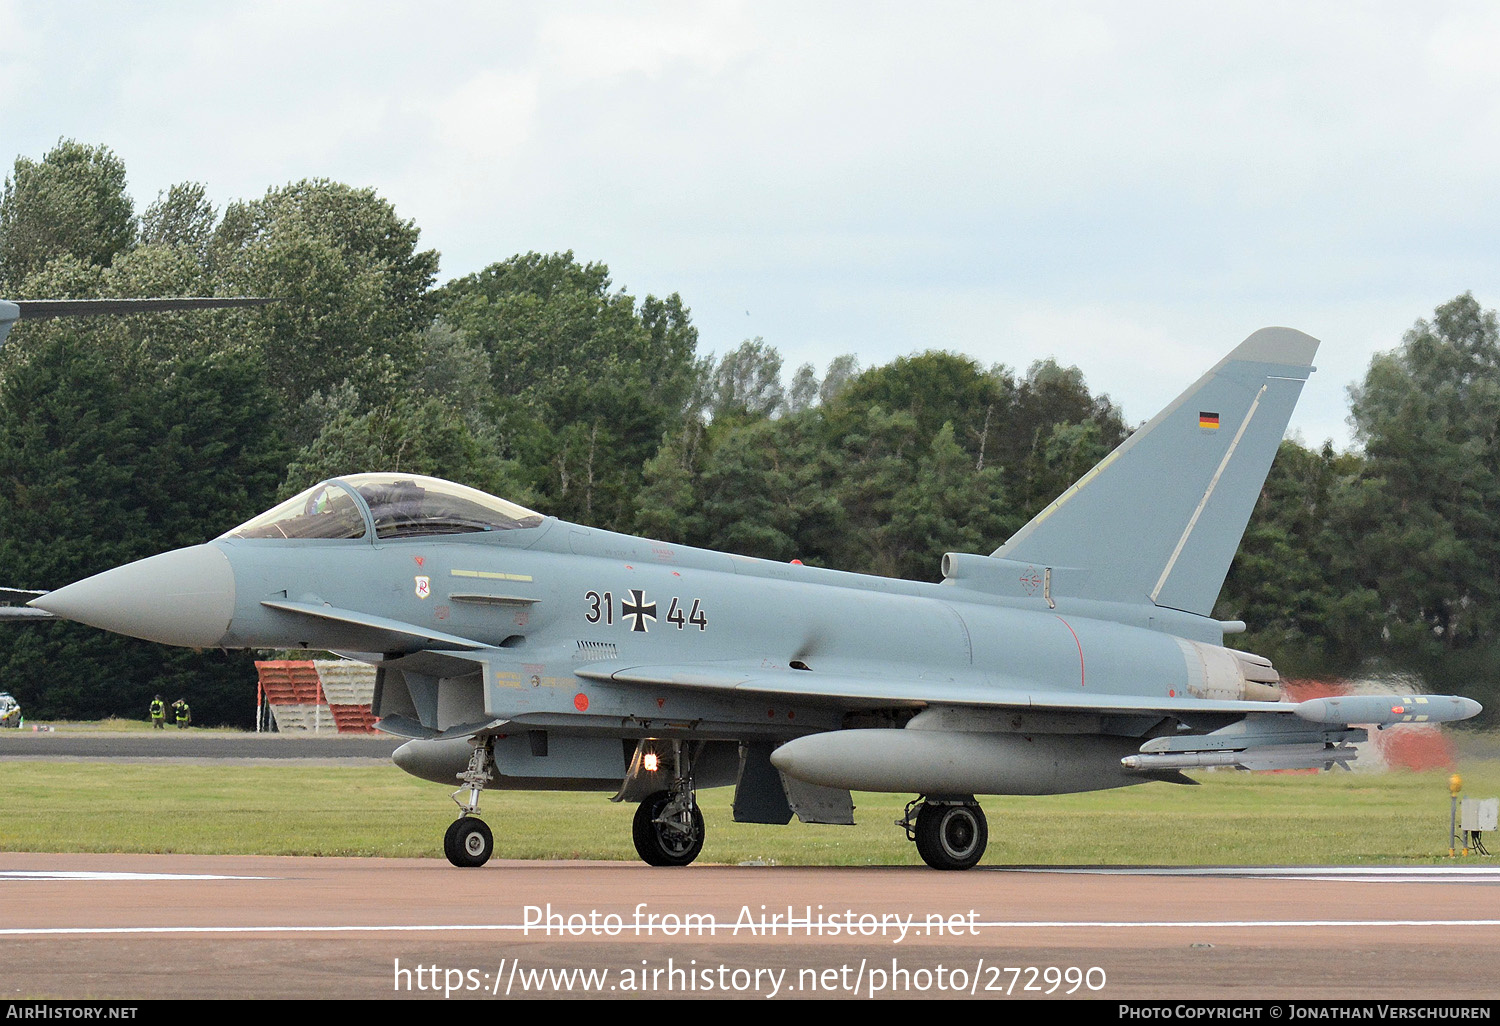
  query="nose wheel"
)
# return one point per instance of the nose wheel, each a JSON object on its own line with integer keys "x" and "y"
{"x": 469, "y": 842}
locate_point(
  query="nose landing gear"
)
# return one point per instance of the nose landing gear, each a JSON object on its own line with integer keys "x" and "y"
{"x": 469, "y": 842}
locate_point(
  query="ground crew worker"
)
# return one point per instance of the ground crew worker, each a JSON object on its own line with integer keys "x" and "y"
{"x": 158, "y": 713}
{"x": 183, "y": 714}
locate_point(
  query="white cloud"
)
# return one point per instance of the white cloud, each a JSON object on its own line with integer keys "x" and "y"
{"x": 653, "y": 40}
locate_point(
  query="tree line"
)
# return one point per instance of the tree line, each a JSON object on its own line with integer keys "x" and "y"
{"x": 539, "y": 379}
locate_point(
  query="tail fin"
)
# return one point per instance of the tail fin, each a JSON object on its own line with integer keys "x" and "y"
{"x": 1160, "y": 518}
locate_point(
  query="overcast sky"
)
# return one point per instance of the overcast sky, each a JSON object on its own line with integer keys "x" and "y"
{"x": 1129, "y": 187}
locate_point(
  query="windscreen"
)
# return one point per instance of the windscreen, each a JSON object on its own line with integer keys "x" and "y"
{"x": 409, "y": 505}
{"x": 323, "y": 511}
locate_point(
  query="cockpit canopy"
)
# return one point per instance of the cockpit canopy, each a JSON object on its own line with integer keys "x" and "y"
{"x": 390, "y": 506}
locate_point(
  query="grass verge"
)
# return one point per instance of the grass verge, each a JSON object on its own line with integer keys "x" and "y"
{"x": 1232, "y": 818}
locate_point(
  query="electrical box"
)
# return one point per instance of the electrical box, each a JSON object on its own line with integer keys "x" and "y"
{"x": 1479, "y": 814}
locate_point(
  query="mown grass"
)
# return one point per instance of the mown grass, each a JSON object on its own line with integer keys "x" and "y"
{"x": 300, "y": 809}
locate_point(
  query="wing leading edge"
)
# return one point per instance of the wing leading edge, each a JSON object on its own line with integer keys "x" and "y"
{"x": 867, "y": 690}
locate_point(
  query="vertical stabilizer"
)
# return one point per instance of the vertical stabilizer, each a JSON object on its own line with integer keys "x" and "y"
{"x": 1160, "y": 518}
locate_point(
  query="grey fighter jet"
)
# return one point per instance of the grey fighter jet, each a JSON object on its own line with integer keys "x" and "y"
{"x": 516, "y": 650}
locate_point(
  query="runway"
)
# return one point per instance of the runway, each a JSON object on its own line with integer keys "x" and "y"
{"x": 193, "y": 745}
{"x": 144, "y": 926}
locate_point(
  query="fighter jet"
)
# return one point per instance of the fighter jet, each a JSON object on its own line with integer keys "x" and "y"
{"x": 516, "y": 650}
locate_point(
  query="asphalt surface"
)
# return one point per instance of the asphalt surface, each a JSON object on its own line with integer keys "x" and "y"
{"x": 192, "y": 744}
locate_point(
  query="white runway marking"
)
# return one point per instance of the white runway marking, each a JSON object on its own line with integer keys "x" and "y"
{"x": 60, "y": 874}
{"x": 727, "y": 928}
{"x": 1372, "y": 874}
{"x": 1346, "y": 874}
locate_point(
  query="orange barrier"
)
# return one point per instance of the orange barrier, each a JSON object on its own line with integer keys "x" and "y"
{"x": 353, "y": 719}
{"x": 290, "y": 682}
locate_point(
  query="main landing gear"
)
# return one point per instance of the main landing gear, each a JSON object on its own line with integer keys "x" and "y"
{"x": 668, "y": 828}
{"x": 469, "y": 842}
{"x": 950, "y": 832}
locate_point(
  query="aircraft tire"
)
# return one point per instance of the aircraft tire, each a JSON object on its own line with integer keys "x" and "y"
{"x": 468, "y": 842}
{"x": 659, "y": 846}
{"x": 951, "y": 836}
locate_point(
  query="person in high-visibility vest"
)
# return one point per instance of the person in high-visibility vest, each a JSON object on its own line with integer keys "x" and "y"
{"x": 158, "y": 713}
{"x": 183, "y": 714}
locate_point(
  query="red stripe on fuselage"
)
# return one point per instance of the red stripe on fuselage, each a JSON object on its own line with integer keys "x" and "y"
{"x": 1082, "y": 681}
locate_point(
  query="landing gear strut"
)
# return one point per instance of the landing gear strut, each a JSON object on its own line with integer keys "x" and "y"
{"x": 668, "y": 828}
{"x": 951, "y": 833}
{"x": 468, "y": 842}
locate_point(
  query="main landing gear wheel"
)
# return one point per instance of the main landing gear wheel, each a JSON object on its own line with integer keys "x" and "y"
{"x": 468, "y": 842}
{"x": 951, "y": 836}
{"x": 668, "y": 830}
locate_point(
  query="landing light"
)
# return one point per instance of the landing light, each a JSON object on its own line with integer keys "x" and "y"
{"x": 649, "y": 762}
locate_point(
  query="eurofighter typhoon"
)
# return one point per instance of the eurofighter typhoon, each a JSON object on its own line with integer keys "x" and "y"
{"x": 516, "y": 650}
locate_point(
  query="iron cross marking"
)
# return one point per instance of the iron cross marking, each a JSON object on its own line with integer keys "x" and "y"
{"x": 637, "y": 608}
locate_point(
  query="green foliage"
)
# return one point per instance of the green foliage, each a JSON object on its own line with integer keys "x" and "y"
{"x": 764, "y": 490}
{"x": 1429, "y": 415}
{"x": 1294, "y": 579}
{"x": 1426, "y": 503}
{"x": 414, "y": 435}
{"x": 70, "y": 204}
{"x": 747, "y": 382}
{"x": 877, "y": 480}
{"x": 997, "y": 419}
{"x": 556, "y": 334}
{"x": 589, "y": 378}
{"x": 354, "y": 290}
{"x": 104, "y": 461}
{"x": 802, "y": 393}
{"x": 183, "y": 217}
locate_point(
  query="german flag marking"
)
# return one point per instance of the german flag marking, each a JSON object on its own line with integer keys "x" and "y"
{"x": 1208, "y": 420}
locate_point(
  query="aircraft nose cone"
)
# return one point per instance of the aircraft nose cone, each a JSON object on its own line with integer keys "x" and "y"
{"x": 184, "y": 597}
